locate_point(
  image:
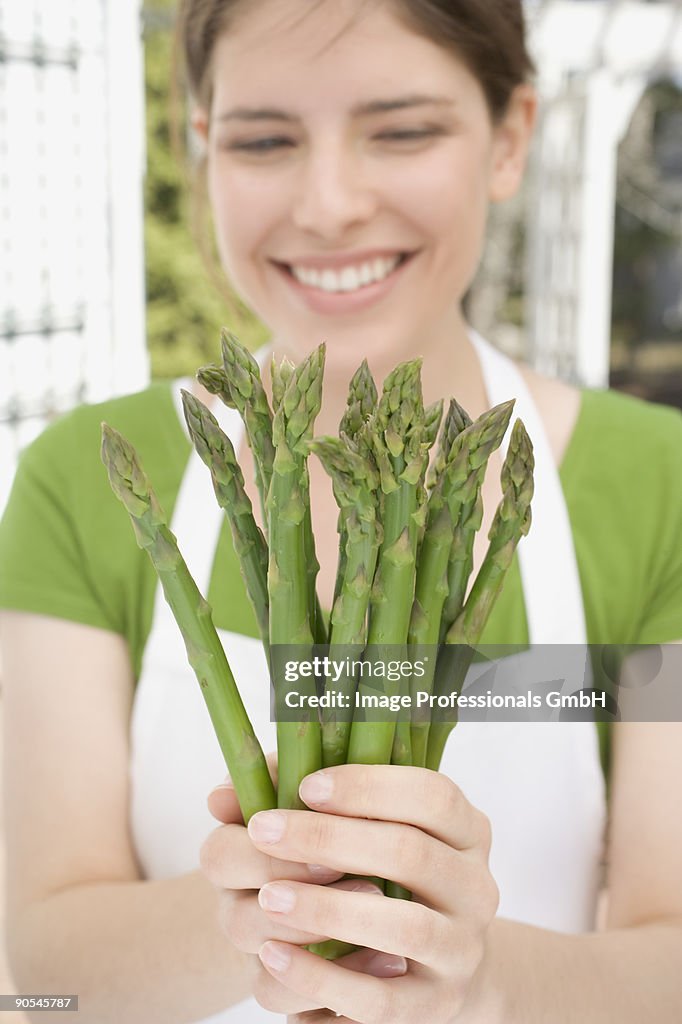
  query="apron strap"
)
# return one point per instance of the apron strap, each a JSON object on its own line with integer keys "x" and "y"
{"x": 547, "y": 560}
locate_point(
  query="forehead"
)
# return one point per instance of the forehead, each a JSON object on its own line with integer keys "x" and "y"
{"x": 301, "y": 49}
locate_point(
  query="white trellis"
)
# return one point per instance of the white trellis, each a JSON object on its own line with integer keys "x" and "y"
{"x": 594, "y": 62}
{"x": 71, "y": 244}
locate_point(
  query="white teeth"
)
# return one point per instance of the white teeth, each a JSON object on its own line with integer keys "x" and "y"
{"x": 350, "y": 278}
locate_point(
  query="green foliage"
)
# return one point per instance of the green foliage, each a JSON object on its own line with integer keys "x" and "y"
{"x": 185, "y": 309}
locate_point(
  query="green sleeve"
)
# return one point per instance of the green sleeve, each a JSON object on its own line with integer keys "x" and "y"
{"x": 66, "y": 545}
{"x": 661, "y": 598}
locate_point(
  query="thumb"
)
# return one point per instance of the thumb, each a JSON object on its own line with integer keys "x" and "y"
{"x": 222, "y": 801}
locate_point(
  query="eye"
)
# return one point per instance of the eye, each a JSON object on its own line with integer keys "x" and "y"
{"x": 266, "y": 145}
{"x": 409, "y": 134}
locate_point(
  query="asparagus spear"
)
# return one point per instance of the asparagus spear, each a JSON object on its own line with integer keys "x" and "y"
{"x": 298, "y": 743}
{"x": 280, "y": 375}
{"x": 355, "y": 482}
{"x": 455, "y": 421}
{"x": 459, "y": 480}
{"x": 214, "y": 379}
{"x": 401, "y": 454}
{"x": 249, "y": 398}
{"x": 360, "y": 404}
{"x": 512, "y": 521}
{"x": 241, "y": 749}
{"x": 248, "y": 394}
{"x": 216, "y": 451}
{"x": 432, "y": 417}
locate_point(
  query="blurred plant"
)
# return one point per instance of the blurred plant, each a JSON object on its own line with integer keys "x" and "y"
{"x": 185, "y": 307}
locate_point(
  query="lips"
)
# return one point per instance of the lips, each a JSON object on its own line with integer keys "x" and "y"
{"x": 349, "y": 277}
{"x": 342, "y": 260}
{"x": 327, "y": 292}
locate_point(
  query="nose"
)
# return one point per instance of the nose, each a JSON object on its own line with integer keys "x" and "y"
{"x": 333, "y": 191}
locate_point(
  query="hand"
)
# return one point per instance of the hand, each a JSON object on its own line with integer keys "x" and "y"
{"x": 230, "y": 861}
{"x": 422, "y": 833}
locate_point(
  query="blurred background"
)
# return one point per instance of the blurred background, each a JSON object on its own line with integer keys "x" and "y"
{"x": 103, "y": 287}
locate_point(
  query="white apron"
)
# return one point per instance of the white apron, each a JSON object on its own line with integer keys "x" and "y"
{"x": 540, "y": 783}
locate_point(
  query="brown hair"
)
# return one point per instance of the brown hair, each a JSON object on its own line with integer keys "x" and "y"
{"x": 488, "y": 35}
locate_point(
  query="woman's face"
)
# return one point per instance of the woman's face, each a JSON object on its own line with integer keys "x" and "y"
{"x": 349, "y": 177}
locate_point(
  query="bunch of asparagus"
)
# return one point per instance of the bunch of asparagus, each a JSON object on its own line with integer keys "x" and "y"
{"x": 406, "y": 538}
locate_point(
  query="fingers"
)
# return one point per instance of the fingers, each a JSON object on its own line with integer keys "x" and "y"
{"x": 247, "y": 927}
{"x": 312, "y": 978}
{"x": 223, "y": 804}
{"x": 416, "y": 796}
{"x": 275, "y": 997}
{"x": 229, "y": 861}
{"x": 440, "y": 876}
{"x": 398, "y": 927}
{"x": 222, "y": 800}
{"x": 244, "y": 921}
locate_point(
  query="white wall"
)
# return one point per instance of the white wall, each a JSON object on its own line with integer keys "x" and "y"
{"x": 71, "y": 242}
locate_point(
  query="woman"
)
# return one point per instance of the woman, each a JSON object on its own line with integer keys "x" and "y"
{"x": 352, "y": 152}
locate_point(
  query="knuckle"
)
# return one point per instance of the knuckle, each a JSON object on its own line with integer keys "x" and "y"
{"x": 320, "y": 832}
{"x": 485, "y": 830}
{"x": 368, "y": 789}
{"x": 267, "y": 992}
{"x": 449, "y": 797}
{"x": 210, "y": 860}
{"x": 472, "y": 955}
{"x": 413, "y": 857}
{"x": 493, "y": 897}
{"x": 234, "y": 919}
{"x": 418, "y": 931}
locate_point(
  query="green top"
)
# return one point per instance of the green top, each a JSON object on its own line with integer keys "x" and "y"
{"x": 67, "y": 548}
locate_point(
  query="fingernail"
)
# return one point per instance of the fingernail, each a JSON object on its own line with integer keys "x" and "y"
{"x": 367, "y": 887}
{"x": 275, "y": 956}
{"x": 267, "y": 827}
{"x": 228, "y": 785}
{"x": 277, "y": 897}
{"x": 321, "y": 873}
{"x": 385, "y": 965}
{"x": 316, "y": 788}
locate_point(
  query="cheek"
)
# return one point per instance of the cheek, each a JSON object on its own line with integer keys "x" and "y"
{"x": 445, "y": 196}
{"x": 245, "y": 209}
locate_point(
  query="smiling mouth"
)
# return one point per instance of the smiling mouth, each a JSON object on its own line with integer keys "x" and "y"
{"x": 349, "y": 279}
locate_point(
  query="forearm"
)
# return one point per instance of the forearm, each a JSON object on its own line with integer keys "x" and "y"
{"x": 147, "y": 952}
{"x": 545, "y": 977}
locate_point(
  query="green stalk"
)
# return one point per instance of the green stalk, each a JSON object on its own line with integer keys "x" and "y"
{"x": 249, "y": 398}
{"x": 468, "y": 523}
{"x": 457, "y": 485}
{"x": 355, "y": 482}
{"x": 360, "y": 405}
{"x": 511, "y": 522}
{"x": 433, "y": 414}
{"x": 456, "y": 420}
{"x": 216, "y": 451}
{"x": 298, "y": 743}
{"x": 242, "y": 752}
{"x": 280, "y": 375}
{"x": 401, "y": 454}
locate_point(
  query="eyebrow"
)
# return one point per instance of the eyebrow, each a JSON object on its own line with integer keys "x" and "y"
{"x": 360, "y": 110}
